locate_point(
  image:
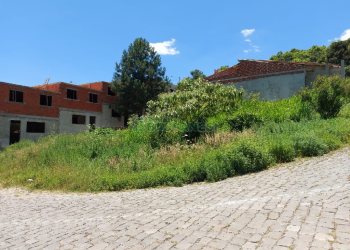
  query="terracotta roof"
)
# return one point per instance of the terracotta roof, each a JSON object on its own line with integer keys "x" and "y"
{"x": 55, "y": 85}
{"x": 251, "y": 69}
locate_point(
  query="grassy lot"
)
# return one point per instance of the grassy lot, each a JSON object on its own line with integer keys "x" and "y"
{"x": 250, "y": 137}
{"x": 106, "y": 162}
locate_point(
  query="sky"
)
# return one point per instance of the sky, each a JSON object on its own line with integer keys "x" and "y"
{"x": 80, "y": 41}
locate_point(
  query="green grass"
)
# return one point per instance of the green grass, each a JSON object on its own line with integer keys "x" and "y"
{"x": 116, "y": 160}
{"x": 166, "y": 150}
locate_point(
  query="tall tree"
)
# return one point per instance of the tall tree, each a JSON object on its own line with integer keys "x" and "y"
{"x": 138, "y": 78}
{"x": 338, "y": 51}
{"x": 196, "y": 74}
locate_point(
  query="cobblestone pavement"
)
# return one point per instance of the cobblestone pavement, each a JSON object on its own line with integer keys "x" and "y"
{"x": 302, "y": 205}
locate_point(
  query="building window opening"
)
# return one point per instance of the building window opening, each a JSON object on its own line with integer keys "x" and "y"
{"x": 111, "y": 92}
{"x": 16, "y": 96}
{"x": 71, "y": 94}
{"x": 92, "y": 121}
{"x": 78, "y": 119}
{"x": 45, "y": 100}
{"x": 93, "y": 98}
{"x": 35, "y": 127}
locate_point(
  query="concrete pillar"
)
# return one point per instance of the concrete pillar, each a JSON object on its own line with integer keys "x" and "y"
{"x": 342, "y": 72}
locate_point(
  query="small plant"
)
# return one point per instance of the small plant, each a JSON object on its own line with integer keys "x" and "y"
{"x": 247, "y": 157}
{"x": 217, "y": 167}
{"x": 283, "y": 151}
{"x": 241, "y": 121}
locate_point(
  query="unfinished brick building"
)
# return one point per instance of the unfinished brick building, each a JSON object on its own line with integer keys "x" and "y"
{"x": 32, "y": 112}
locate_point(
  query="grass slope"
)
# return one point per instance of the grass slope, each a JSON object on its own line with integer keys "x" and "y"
{"x": 116, "y": 160}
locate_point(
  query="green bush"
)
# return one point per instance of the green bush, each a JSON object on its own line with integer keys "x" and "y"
{"x": 175, "y": 131}
{"x": 218, "y": 123}
{"x": 283, "y": 151}
{"x": 247, "y": 157}
{"x": 329, "y": 94}
{"x": 194, "y": 100}
{"x": 310, "y": 146}
{"x": 217, "y": 166}
{"x": 242, "y": 120}
{"x": 345, "y": 111}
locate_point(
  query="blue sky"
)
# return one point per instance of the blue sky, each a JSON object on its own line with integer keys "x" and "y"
{"x": 81, "y": 40}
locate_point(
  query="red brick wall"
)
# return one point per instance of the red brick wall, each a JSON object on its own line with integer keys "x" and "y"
{"x": 31, "y": 101}
{"x": 58, "y": 91}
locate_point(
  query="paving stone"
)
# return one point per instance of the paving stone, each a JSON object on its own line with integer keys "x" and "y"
{"x": 299, "y": 205}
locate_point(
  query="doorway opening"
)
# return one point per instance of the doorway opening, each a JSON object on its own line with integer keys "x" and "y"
{"x": 15, "y": 131}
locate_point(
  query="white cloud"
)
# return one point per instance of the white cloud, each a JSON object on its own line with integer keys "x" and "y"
{"x": 165, "y": 48}
{"x": 247, "y": 32}
{"x": 344, "y": 36}
{"x": 252, "y": 47}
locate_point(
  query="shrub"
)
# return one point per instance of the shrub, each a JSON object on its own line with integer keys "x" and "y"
{"x": 194, "y": 100}
{"x": 247, "y": 157}
{"x": 216, "y": 167}
{"x": 218, "y": 123}
{"x": 329, "y": 94}
{"x": 345, "y": 111}
{"x": 175, "y": 131}
{"x": 242, "y": 120}
{"x": 310, "y": 146}
{"x": 149, "y": 130}
{"x": 283, "y": 151}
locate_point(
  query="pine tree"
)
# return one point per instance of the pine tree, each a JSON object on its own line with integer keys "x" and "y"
{"x": 139, "y": 78}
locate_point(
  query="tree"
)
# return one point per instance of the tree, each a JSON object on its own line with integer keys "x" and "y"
{"x": 314, "y": 54}
{"x": 195, "y": 74}
{"x": 195, "y": 100}
{"x": 338, "y": 51}
{"x": 222, "y": 68}
{"x": 138, "y": 78}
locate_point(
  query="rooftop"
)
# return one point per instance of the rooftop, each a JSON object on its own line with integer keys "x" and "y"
{"x": 256, "y": 68}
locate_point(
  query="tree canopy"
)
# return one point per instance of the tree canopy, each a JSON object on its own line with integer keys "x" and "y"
{"x": 195, "y": 74}
{"x": 314, "y": 54}
{"x": 334, "y": 53}
{"x": 138, "y": 78}
{"x": 194, "y": 100}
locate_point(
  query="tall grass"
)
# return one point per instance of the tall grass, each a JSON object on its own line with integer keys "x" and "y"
{"x": 159, "y": 150}
{"x": 116, "y": 161}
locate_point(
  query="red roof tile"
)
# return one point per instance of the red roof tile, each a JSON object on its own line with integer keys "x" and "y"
{"x": 251, "y": 69}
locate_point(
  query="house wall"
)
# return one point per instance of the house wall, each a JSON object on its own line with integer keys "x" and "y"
{"x": 274, "y": 87}
{"x": 51, "y": 127}
{"x": 31, "y": 101}
{"x": 315, "y": 71}
{"x": 58, "y": 117}
{"x": 107, "y": 121}
{"x": 104, "y": 119}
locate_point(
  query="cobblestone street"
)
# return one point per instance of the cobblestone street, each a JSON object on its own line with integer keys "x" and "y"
{"x": 301, "y": 205}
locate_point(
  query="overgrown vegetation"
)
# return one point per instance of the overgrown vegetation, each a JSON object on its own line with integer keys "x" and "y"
{"x": 334, "y": 53}
{"x": 202, "y": 132}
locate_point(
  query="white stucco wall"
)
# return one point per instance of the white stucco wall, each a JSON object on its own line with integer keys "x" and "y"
{"x": 51, "y": 127}
{"x": 104, "y": 119}
{"x": 274, "y": 87}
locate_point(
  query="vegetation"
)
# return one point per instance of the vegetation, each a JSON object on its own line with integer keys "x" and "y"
{"x": 337, "y": 51}
{"x": 203, "y": 132}
{"x": 138, "y": 78}
{"x": 222, "y": 68}
{"x": 195, "y": 74}
{"x": 314, "y": 54}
